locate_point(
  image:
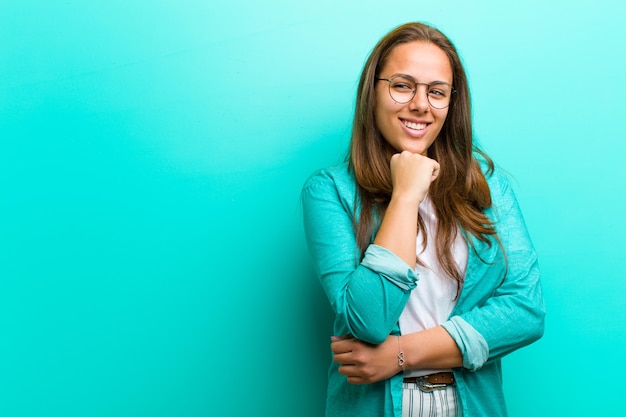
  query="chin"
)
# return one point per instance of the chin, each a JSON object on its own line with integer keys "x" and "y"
{"x": 414, "y": 149}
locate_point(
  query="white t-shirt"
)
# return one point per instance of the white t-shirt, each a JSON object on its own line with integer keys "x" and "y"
{"x": 432, "y": 301}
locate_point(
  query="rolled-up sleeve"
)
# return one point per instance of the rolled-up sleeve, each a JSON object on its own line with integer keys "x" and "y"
{"x": 390, "y": 267}
{"x": 367, "y": 296}
{"x": 472, "y": 344}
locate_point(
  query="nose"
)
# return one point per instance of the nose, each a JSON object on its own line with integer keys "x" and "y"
{"x": 420, "y": 99}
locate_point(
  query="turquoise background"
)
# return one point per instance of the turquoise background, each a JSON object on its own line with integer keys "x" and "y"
{"x": 152, "y": 257}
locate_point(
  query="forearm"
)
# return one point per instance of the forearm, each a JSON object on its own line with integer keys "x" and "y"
{"x": 411, "y": 177}
{"x": 430, "y": 349}
{"x": 398, "y": 229}
{"x": 365, "y": 363}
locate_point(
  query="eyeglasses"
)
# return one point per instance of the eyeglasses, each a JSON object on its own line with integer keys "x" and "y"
{"x": 402, "y": 89}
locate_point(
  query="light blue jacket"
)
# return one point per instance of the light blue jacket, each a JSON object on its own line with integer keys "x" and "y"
{"x": 498, "y": 311}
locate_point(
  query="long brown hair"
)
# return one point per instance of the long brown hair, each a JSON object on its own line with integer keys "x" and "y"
{"x": 460, "y": 194}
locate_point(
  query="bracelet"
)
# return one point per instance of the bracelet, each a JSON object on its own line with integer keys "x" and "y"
{"x": 400, "y": 355}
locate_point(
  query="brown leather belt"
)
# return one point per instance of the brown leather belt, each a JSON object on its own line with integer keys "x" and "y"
{"x": 432, "y": 381}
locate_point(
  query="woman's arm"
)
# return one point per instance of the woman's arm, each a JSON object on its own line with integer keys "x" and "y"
{"x": 513, "y": 316}
{"x": 364, "y": 363}
{"x": 368, "y": 296}
{"x": 411, "y": 175}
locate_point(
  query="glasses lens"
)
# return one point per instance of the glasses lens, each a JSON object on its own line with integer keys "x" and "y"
{"x": 439, "y": 95}
{"x": 402, "y": 89}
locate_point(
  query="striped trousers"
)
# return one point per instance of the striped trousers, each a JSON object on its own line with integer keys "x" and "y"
{"x": 437, "y": 403}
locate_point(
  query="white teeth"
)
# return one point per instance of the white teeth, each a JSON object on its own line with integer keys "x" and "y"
{"x": 414, "y": 126}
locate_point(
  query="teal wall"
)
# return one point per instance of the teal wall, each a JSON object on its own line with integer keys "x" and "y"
{"x": 152, "y": 258}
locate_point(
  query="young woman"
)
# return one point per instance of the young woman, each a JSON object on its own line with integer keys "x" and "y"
{"x": 420, "y": 245}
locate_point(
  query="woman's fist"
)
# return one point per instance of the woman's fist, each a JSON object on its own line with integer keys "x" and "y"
{"x": 411, "y": 175}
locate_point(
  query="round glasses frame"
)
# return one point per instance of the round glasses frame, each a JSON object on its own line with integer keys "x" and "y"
{"x": 437, "y": 99}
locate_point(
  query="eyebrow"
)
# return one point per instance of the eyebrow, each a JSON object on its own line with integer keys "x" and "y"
{"x": 415, "y": 81}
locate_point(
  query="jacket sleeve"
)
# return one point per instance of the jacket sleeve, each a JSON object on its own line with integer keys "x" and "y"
{"x": 513, "y": 315}
{"x": 367, "y": 296}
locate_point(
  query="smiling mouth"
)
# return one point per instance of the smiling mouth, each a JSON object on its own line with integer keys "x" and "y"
{"x": 413, "y": 125}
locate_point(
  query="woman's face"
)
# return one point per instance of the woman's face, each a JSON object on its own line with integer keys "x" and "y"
{"x": 412, "y": 126}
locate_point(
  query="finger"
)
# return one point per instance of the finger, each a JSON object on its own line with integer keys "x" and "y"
{"x": 356, "y": 380}
{"x": 342, "y": 346}
{"x": 435, "y": 173}
{"x": 347, "y": 370}
{"x": 343, "y": 358}
{"x": 353, "y": 374}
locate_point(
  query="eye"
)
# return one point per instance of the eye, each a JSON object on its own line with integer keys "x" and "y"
{"x": 402, "y": 86}
{"x": 438, "y": 90}
{"x": 437, "y": 93}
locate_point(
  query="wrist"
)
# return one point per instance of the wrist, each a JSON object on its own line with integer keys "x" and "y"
{"x": 406, "y": 199}
{"x": 400, "y": 357}
{"x": 411, "y": 356}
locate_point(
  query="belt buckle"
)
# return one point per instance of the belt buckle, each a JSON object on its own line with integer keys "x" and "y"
{"x": 426, "y": 386}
